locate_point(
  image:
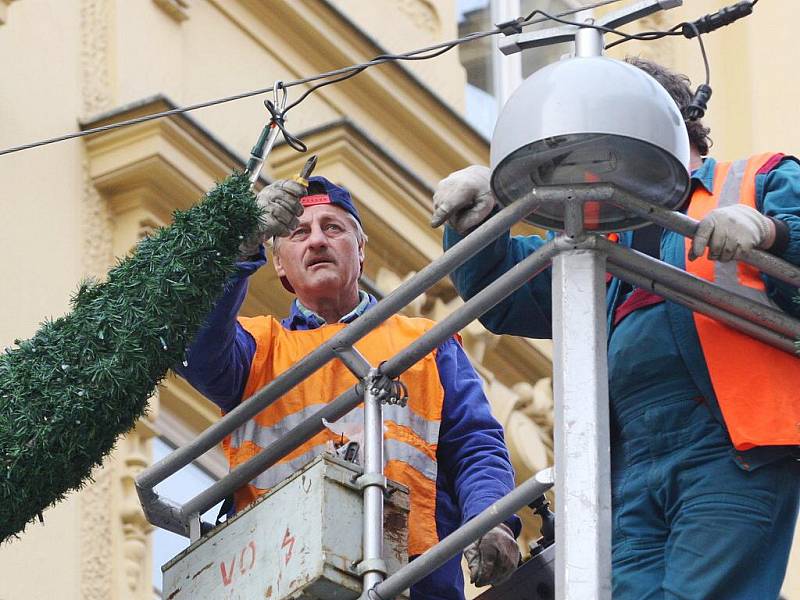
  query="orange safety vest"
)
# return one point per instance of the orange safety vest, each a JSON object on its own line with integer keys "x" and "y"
{"x": 411, "y": 433}
{"x": 757, "y": 386}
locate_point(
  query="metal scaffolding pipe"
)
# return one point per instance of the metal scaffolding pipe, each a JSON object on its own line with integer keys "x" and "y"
{"x": 372, "y": 565}
{"x": 581, "y": 422}
{"x": 686, "y": 226}
{"x": 270, "y": 455}
{"x": 681, "y": 281}
{"x": 665, "y": 291}
{"x": 462, "y": 537}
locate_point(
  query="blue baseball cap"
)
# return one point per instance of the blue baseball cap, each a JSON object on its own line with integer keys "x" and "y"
{"x": 322, "y": 191}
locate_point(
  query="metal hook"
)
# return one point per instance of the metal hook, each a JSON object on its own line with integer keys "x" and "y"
{"x": 279, "y": 95}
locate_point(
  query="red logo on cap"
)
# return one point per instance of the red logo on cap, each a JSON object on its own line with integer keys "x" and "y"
{"x": 315, "y": 199}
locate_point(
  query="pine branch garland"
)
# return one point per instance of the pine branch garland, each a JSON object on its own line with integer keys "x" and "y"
{"x": 83, "y": 379}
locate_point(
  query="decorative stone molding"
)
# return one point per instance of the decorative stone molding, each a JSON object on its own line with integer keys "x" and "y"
{"x": 97, "y": 563}
{"x": 4, "y": 4}
{"x": 478, "y": 341}
{"x": 389, "y": 100}
{"x": 97, "y": 559}
{"x": 96, "y": 42}
{"x": 97, "y": 227}
{"x": 422, "y": 13}
{"x": 177, "y": 9}
{"x": 536, "y": 402}
{"x": 146, "y": 171}
{"x": 95, "y": 96}
{"x": 134, "y": 525}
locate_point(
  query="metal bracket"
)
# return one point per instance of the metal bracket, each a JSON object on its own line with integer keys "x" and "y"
{"x": 195, "y": 528}
{"x": 546, "y": 476}
{"x": 634, "y": 12}
{"x": 368, "y": 479}
{"x": 386, "y": 389}
{"x": 511, "y": 27}
{"x": 374, "y": 565}
{"x": 566, "y": 33}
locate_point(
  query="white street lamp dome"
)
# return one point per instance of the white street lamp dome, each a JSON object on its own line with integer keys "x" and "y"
{"x": 591, "y": 120}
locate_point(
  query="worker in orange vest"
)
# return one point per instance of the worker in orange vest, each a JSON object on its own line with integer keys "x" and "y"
{"x": 705, "y": 420}
{"x": 445, "y": 446}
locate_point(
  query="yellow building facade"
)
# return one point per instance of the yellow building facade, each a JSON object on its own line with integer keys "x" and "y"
{"x": 388, "y": 135}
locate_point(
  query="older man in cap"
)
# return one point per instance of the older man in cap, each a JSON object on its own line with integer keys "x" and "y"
{"x": 445, "y": 446}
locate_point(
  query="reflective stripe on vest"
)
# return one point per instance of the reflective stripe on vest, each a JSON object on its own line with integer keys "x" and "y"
{"x": 755, "y": 384}
{"x": 411, "y": 432}
{"x": 726, "y": 274}
{"x": 261, "y": 436}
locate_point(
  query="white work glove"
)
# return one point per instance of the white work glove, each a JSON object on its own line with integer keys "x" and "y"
{"x": 730, "y": 230}
{"x": 280, "y": 205}
{"x": 463, "y": 199}
{"x": 493, "y": 558}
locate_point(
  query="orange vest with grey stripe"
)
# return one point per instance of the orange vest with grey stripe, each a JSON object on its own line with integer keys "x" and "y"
{"x": 756, "y": 385}
{"x": 411, "y": 433}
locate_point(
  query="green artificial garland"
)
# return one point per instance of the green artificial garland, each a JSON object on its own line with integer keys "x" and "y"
{"x": 82, "y": 380}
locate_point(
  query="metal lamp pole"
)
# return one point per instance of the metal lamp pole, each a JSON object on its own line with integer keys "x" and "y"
{"x": 580, "y": 381}
{"x": 373, "y": 481}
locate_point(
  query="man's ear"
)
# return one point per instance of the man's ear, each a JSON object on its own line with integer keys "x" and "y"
{"x": 276, "y": 262}
{"x": 361, "y": 245}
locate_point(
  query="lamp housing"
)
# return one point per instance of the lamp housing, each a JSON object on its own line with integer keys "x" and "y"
{"x": 591, "y": 120}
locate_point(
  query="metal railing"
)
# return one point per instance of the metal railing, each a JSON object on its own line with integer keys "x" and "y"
{"x": 579, "y": 260}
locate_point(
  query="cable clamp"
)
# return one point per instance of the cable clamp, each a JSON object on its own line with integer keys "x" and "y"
{"x": 277, "y": 110}
{"x": 370, "y": 479}
{"x": 386, "y": 389}
{"x": 512, "y": 27}
{"x": 721, "y": 18}
{"x": 279, "y": 96}
{"x": 372, "y": 565}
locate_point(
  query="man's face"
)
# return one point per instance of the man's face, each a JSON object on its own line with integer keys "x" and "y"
{"x": 322, "y": 256}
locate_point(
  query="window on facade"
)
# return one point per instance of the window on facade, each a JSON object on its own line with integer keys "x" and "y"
{"x": 482, "y": 102}
{"x": 476, "y": 56}
{"x": 533, "y": 60}
{"x": 182, "y": 486}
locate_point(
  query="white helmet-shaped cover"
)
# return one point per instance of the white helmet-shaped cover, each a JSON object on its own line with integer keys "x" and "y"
{"x": 591, "y": 120}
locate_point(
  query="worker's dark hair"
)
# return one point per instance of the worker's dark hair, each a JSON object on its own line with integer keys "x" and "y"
{"x": 679, "y": 88}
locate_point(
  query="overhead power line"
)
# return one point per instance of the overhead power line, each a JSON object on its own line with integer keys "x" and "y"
{"x": 339, "y": 75}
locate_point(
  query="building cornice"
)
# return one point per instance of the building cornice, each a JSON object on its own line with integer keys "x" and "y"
{"x": 388, "y": 96}
{"x": 4, "y": 4}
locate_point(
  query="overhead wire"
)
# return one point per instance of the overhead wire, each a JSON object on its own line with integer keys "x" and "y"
{"x": 344, "y": 72}
{"x": 625, "y": 36}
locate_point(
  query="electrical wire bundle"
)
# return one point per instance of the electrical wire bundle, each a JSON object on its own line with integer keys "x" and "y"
{"x": 687, "y": 29}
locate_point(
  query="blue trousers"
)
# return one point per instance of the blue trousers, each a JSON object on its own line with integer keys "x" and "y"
{"x": 688, "y": 522}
